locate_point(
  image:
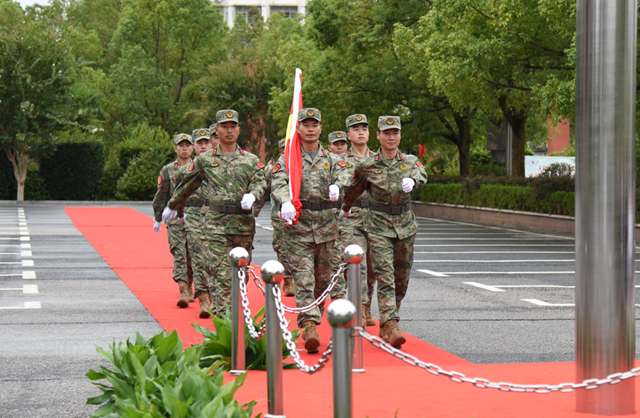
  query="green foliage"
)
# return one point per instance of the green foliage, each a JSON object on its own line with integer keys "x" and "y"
{"x": 156, "y": 378}
{"x": 490, "y": 169}
{"x": 73, "y": 170}
{"x": 7, "y": 179}
{"x": 108, "y": 185}
{"x": 217, "y": 344}
{"x": 35, "y": 187}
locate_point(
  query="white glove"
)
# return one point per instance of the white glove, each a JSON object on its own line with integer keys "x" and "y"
{"x": 288, "y": 212}
{"x": 347, "y": 214}
{"x": 407, "y": 185}
{"x": 156, "y": 226}
{"x": 184, "y": 218}
{"x": 247, "y": 201}
{"x": 334, "y": 192}
{"x": 168, "y": 214}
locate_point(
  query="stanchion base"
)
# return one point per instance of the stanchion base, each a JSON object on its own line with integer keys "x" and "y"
{"x": 237, "y": 372}
{"x": 275, "y": 416}
{"x": 357, "y": 371}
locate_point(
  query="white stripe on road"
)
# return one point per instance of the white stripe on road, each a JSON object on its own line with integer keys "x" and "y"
{"x": 10, "y": 275}
{"x": 433, "y": 273}
{"x": 494, "y": 252}
{"x": 494, "y": 245}
{"x": 25, "y": 239}
{"x": 26, "y": 288}
{"x": 498, "y": 288}
{"x": 21, "y": 253}
{"x": 28, "y": 275}
{"x": 506, "y": 272}
{"x": 27, "y": 263}
{"x": 484, "y": 239}
{"x": 27, "y": 305}
{"x": 495, "y": 261}
{"x": 485, "y": 287}
{"x": 542, "y": 303}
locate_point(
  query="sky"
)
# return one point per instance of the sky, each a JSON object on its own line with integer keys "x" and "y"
{"x": 25, "y": 3}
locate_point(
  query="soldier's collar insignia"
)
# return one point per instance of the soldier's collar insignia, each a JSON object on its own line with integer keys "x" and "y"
{"x": 389, "y": 121}
{"x": 192, "y": 166}
{"x": 403, "y": 167}
{"x": 324, "y": 152}
{"x": 175, "y": 165}
{"x": 309, "y": 112}
{"x": 276, "y": 168}
{"x": 342, "y": 163}
{"x": 229, "y": 114}
{"x": 370, "y": 153}
{"x": 377, "y": 157}
{"x": 240, "y": 150}
{"x": 159, "y": 180}
{"x": 358, "y": 117}
{"x": 260, "y": 164}
{"x": 214, "y": 164}
{"x": 349, "y": 153}
{"x": 215, "y": 151}
{"x": 419, "y": 164}
{"x": 326, "y": 166}
{"x": 400, "y": 156}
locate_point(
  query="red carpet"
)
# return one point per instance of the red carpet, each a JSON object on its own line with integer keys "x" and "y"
{"x": 125, "y": 240}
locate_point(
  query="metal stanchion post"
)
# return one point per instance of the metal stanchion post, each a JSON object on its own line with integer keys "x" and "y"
{"x": 354, "y": 255}
{"x": 341, "y": 315}
{"x": 605, "y": 201}
{"x": 239, "y": 259}
{"x": 272, "y": 275}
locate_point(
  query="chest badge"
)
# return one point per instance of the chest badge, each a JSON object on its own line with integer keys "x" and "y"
{"x": 378, "y": 171}
{"x": 349, "y": 165}
{"x": 326, "y": 166}
{"x": 403, "y": 167}
{"x": 214, "y": 164}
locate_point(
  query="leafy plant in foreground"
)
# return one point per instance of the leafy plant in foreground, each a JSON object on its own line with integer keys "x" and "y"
{"x": 217, "y": 344}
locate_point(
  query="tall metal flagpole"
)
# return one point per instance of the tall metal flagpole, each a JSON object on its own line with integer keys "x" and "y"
{"x": 605, "y": 201}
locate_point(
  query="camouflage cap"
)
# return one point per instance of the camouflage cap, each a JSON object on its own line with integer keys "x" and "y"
{"x": 389, "y": 122}
{"x": 212, "y": 129}
{"x": 356, "y": 119}
{"x": 182, "y": 137}
{"x": 227, "y": 115}
{"x": 200, "y": 134}
{"x": 337, "y": 136}
{"x": 309, "y": 113}
{"x": 282, "y": 143}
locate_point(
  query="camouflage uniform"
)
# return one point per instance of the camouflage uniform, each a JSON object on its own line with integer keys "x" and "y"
{"x": 390, "y": 236}
{"x": 168, "y": 180}
{"x": 223, "y": 180}
{"x": 310, "y": 243}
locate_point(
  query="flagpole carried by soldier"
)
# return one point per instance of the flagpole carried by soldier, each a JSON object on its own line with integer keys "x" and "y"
{"x": 234, "y": 181}
{"x": 389, "y": 177}
{"x": 278, "y": 243}
{"x": 310, "y": 242}
{"x": 352, "y": 227}
{"x": 168, "y": 180}
{"x": 193, "y": 219}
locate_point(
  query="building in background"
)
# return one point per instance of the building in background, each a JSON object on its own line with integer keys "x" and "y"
{"x": 559, "y": 137}
{"x": 232, "y": 8}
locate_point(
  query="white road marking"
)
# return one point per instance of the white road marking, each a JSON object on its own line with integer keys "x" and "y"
{"x": 27, "y": 263}
{"x": 10, "y": 275}
{"x": 26, "y": 254}
{"x": 25, "y": 239}
{"x": 542, "y": 303}
{"x": 494, "y": 245}
{"x": 27, "y": 305}
{"x": 27, "y": 288}
{"x": 494, "y": 252}
{"x": 28, "y": 275}
{"x": 495, "y": 261}
{"x": 433, "y": 273}
{"x": 267, "y": 228}
{"x": 9, "y": 253}
{"x": 22, "y": 223}
{"x": 10, "y": 262}
{"x": 484, "y": 239}
{"x": 467, "y": 233}
{"x": 485, "y": 287}
{"x": 506, "y": 272}
{"x": 25, "y": 245}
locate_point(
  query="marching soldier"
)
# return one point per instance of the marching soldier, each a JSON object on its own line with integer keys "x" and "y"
{"x": 352, "y": 227}
{"x": 214, "y": 135}
{"x": 193, "y": 220}
{"x": 234, "y": 181}
{"x": 167, "y": 182}
{"x": 389, "y": 177}
{"x": 310, "y": 242}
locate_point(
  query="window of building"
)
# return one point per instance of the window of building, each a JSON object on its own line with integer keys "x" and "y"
{"x": 287, "y": 11}
{"x": 244, "y": 11}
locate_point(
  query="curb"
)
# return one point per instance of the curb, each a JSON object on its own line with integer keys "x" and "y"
{"x": 557, "y": 223}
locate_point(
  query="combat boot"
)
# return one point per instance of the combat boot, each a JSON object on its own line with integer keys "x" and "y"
{"x": 289, "y": 287}
{"x": 366, "y": 315}
{"x": 393, "y": 334}
{"x": 183, "y": 302}
{"x": 190, "y": 290}
{"x": 310, "y": 337}
{"x": 205, "y": 305}
{"x": 383, "y": 333}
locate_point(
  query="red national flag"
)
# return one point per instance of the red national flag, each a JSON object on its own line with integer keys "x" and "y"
{"x": 293, "y": 150}
{"x": 423, "y": 150}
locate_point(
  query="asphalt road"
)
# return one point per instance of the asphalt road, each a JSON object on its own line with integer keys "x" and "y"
{"x": 487, "y": 294}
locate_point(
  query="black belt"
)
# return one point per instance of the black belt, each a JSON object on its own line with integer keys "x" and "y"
{"x": 320, "y": 205}
{"x": 362, "y": 203}
{"x": 192, "y": 203}
{"x": 391, "y": 210}
{"x": 232, "y": 209}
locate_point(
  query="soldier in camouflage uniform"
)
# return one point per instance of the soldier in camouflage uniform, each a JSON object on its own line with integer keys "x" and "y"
{"x": 310, "y": 242}
{"x": 214, "y": 135}
{"x": 389, "y": 177}
{"x": 352, "y": 227}
{"x": 193, "y": 218}
{"x": 338, "y": 142}
{"x": 279, "y": 245}
{"x": 167, "y": 182}
{"x": 234, "y": 181}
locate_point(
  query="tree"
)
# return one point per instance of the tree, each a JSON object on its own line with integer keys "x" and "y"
{"x": 509, "y": 58}
{"x": 36, "y": 77}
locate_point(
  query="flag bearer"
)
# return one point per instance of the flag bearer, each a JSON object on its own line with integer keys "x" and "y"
{"x": 389, "y": 177}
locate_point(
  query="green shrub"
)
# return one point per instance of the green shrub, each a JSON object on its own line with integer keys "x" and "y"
{"x": 490, "y": 169}
{"x": 439, "y": 179}
{"x": 8, "y": 185}
{"x": 503, "y": 197}
{"x": 217, "y": 344}
{"x": 569, "y": 204}
{"x": 442, "y": 193}
{"x": 108, "y": 185}
{"x": 34, "y": 187}
{"x": 73, "y": 170}
{"x": 156, "y": 378}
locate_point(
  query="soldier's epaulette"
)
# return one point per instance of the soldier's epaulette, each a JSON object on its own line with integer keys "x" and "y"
{"x": 324, "y": 152}
{"x": 418, "y": 163}
{"x": 370, "y": 153}
{"x": 241, "y": 152}
{"x": 400, "y": 155}
{"x": 349, "y": 153}
{"x": 192, "y": 166}
{"x": 377, "y": 157}
{"x": 215, "y": 151}
{"x": 175, "y": 165}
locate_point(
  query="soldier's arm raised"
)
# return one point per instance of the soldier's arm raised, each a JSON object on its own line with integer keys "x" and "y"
{"x": 162, "y": 195}
{"x": 280, "y": 182}
{"x": 189, "y": 184}
{"x": 358, "y": 185}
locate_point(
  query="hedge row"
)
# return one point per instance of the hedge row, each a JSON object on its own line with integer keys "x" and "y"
{"x": 521, "y": 198}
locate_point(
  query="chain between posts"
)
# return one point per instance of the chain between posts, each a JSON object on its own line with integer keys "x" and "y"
{"x": 291, "y": 345}
{"x": 247, "y": 312}
{"x": 612, "y": 379}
